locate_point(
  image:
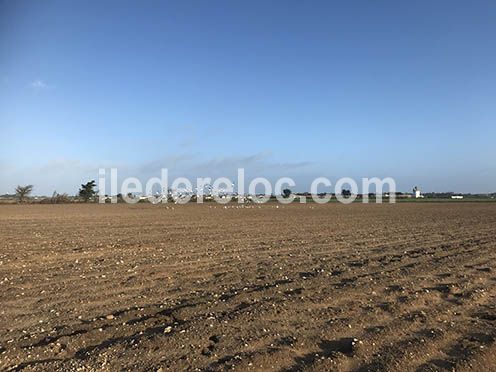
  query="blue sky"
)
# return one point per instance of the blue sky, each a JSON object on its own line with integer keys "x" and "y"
{"x": 283, "y": 88}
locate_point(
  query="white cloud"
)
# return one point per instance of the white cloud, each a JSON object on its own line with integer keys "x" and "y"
{"x": 66, "y": 175}
{"x": 39, "y": 84}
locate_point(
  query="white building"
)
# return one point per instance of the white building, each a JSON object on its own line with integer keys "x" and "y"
{"x": 416, "y": 193}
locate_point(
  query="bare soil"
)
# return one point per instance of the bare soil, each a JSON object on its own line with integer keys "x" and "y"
{"x": 404, "y": 287}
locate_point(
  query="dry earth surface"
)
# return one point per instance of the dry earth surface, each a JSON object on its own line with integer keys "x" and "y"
{"x": 404, "y": 287}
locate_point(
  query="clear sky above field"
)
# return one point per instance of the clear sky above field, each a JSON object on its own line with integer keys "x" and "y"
{"x": 283, "y": 88}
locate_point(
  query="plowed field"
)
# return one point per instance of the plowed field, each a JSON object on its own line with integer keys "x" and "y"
{"x": 410, "y": 286}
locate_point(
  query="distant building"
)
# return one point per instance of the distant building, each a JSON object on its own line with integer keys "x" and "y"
{"x": 456, "y": 196}
{"x": 416, "y": 193}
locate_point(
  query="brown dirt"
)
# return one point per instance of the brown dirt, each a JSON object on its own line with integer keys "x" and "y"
{"x": 405, "y": 287}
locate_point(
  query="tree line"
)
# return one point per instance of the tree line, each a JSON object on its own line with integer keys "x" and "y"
{"x": 86, "y": 192}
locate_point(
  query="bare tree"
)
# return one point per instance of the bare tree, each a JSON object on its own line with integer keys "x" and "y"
{"x": 23, "y": 191}
{"x": 59, "y": 198}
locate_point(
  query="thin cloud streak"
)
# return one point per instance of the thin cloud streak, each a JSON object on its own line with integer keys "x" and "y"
{"x": 65, "y": 175}
{"x": 39, "y": 84}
